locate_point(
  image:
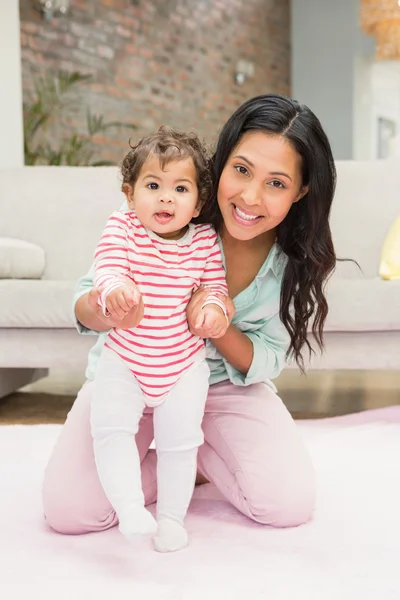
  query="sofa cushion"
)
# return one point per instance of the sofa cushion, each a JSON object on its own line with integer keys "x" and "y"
{"x": 354, "y": 305}
{"x": 20, "y": 259}
{"x": 363, "y": 305}
{"x": 30, "y": 303}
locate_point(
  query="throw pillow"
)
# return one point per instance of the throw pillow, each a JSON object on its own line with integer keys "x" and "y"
{"x": 20, "y": 259}
{"x": 390, "y": 257}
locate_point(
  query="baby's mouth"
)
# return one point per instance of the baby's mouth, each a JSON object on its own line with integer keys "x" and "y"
{"x": 163, "y": 216}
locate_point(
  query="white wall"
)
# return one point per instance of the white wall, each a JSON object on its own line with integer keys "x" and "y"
{"x": 329, "y": 70}
{"x": 363, "y": 147}
{"x": 377, "y": 95}
{"x": 385, "y": 101}
{"x": 11, "y": 128}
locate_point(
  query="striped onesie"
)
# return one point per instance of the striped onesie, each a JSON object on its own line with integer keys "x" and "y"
{"x": 161, "y": 348}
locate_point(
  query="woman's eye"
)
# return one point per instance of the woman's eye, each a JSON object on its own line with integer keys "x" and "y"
{"x": 241, "y": 169}
{"x": 152, "y": 186}
{"x": 276, "y": 183}
{"x": 181, "y": 188}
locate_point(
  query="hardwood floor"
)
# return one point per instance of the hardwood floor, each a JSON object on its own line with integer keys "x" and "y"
{"x": 319, "y": 394}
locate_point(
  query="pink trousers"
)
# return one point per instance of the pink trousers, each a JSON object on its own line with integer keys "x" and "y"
{"x": 252, "y": 453}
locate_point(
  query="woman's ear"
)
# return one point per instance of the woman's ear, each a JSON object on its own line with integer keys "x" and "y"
{"x": 128, "y": 191}
{"x": 303, "y": 191}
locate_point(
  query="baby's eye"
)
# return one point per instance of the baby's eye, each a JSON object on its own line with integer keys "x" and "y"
{"x": 241, "y": 169}
{"x": 152, "y": 186}
{"x": 181, "y": 189}
{"x": 276, "y": 183}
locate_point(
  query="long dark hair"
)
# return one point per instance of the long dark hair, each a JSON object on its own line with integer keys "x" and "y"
{"x": 304, "y": 235}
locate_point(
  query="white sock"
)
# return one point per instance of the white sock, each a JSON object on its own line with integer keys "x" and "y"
{"x": 137, "y": 522}
{"x": 171, "y": 536}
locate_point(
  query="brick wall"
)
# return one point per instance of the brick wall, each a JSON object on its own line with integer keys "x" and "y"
{"x": 158, "y": 61}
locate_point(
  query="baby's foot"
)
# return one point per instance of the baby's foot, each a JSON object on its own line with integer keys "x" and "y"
{"x": 171, "y": 536}
{"x": 137, "y": 522}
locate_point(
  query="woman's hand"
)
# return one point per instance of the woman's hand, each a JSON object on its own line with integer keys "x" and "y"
{"x": 195, "y": 313}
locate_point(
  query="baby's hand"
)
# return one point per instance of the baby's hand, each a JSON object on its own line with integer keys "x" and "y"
{"x": 121, "y": 300}
{"x": 212, "y": 320}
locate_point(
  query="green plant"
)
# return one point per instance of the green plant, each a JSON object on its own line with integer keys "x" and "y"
{"x": 52, "y": 96}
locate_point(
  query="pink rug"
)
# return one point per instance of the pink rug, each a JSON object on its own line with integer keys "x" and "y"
{"x": 350, "y": 551}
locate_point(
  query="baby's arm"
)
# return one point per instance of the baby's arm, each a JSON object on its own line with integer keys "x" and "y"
{"x": 212, "y": 315}
{"x": 118, "y": 293}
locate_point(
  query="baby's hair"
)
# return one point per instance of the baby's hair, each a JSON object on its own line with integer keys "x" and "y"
{"x": 169, "y": 145}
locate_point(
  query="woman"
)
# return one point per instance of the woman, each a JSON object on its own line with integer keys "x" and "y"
{"x": 274, "y": 184}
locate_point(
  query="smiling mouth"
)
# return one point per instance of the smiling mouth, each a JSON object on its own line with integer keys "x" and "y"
{"x": 244, "y": 217}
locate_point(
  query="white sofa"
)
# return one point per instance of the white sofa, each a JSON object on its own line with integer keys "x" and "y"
{"x": 62, "y": 210}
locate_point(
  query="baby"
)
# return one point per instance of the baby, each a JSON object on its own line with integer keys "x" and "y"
{"x": 153, "y": 250}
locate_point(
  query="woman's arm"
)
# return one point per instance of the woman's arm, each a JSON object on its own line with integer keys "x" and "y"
{"x": 89, "y": 316}
{"x": 249, "y": 357}
{"x": 236, "y": 348}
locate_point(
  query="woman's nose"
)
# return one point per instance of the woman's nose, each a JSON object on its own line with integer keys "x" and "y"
{"x": 251, "y": 195}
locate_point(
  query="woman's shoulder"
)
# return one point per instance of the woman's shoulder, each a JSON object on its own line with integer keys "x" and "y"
{"x": 278, "y": 261}
{"x": 274, "y": 264}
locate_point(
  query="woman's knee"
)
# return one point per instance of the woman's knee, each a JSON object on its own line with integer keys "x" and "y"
{"x": 73, "y": 500}
{"x": 75, "y": 506}
{"x": 75, "y": 517}
{"x": 287, "y": 500}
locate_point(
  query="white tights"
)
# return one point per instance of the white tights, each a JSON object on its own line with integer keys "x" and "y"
{"x": 117, "y": 408}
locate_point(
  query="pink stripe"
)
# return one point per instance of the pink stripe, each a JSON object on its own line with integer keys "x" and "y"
{"x": 161, "y": 307}
{"x": 165, "y": 317}
{"x": 163, "y": 366}
{"x": 169, "y": 296}
{"x": 158, "y": 241}
{"x": 163, "y": 285}
{"x": 164, "y": 375}
{"x": 155, "y": 337}
{"x": 164, "y": 250}
{"x": 200, "y": 229}
{"x": 113, "y": 235}
{"x": 206, "y": 279}
{"x": 110, "y": 256}
{"x": 218, "y": 269}
{"x": 119, "y": 220}
{"x": 138, "y": 235}
{"x": 161, "y": 328}
{"x": 171, "y": 262}
{"x": 175, "y": 374}
{"x": 110, "y": 266}
{"x": 135, "y": 343}
{"x": 135, "y": 262}
{"x": 160, "y": 348}
{"x": 111, "y": 248}
{"x": 217, "y": 252}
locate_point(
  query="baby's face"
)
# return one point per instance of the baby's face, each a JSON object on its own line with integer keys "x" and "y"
{"x": 166, "y": 200}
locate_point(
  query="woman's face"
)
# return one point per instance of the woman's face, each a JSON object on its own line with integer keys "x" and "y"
{"x": 258, "y": 185}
